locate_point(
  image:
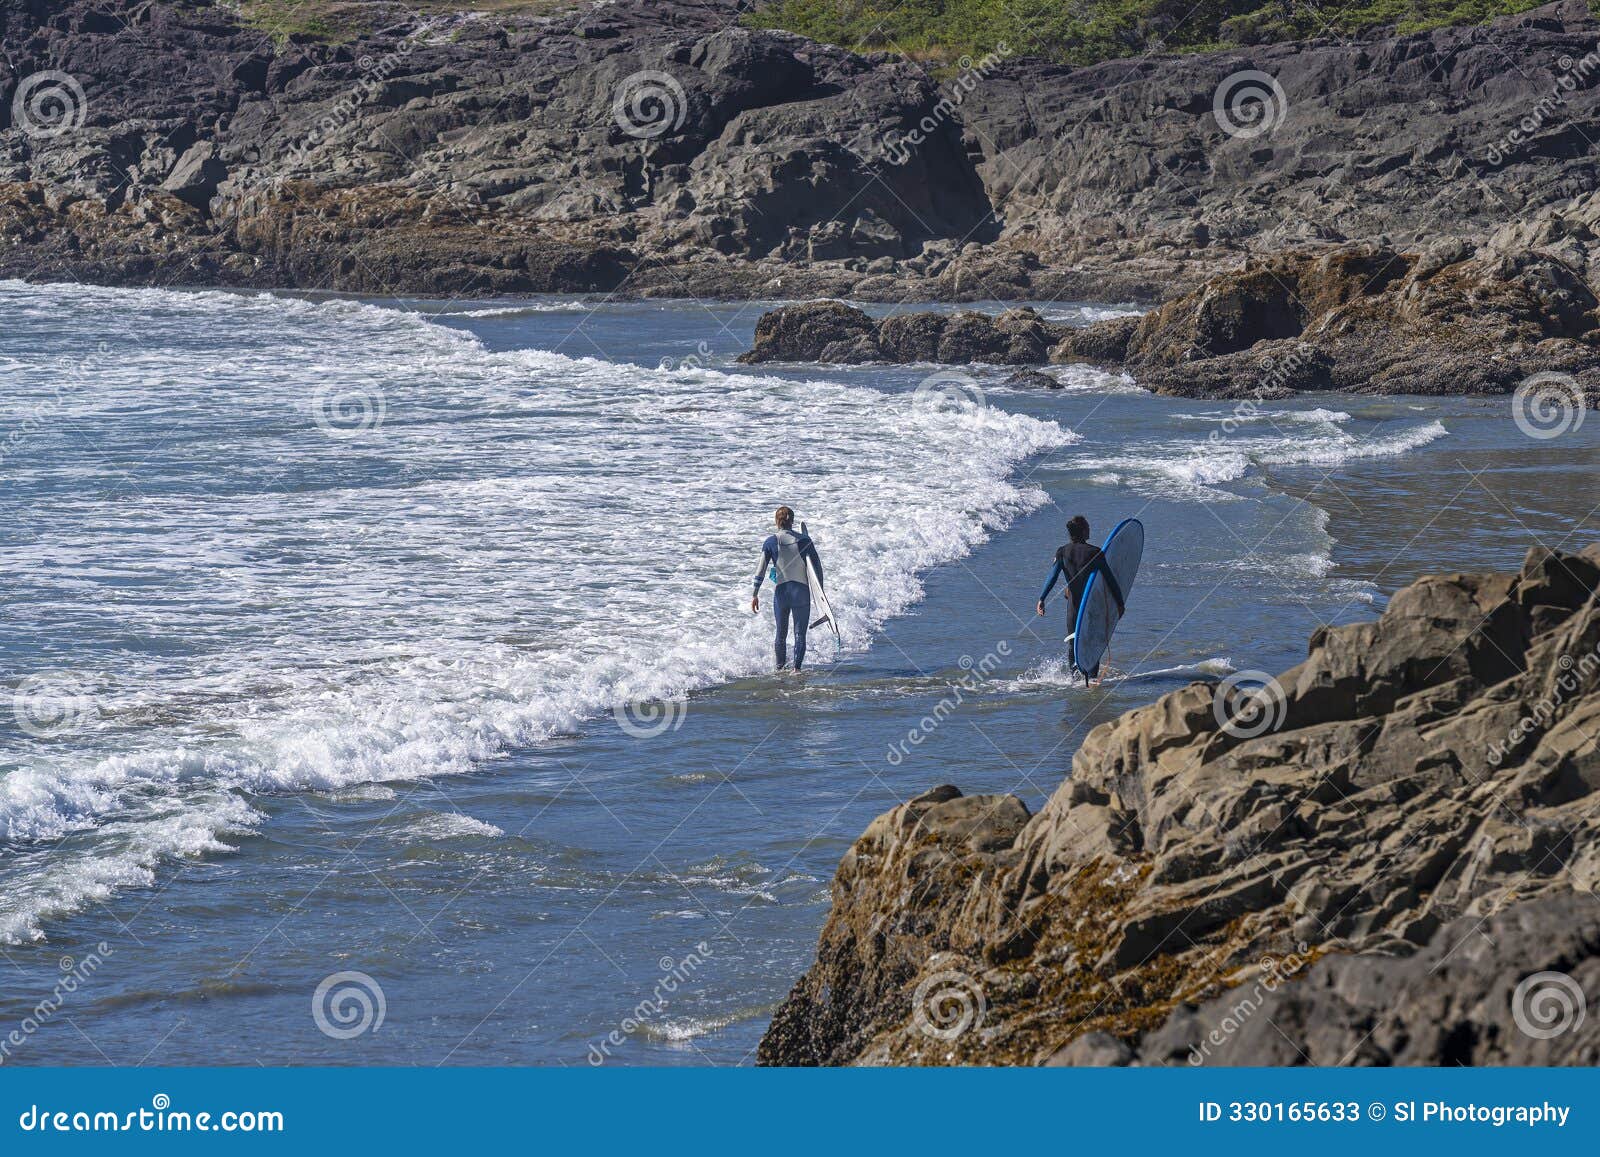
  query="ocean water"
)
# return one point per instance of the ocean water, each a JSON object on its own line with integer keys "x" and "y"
{"x": 380, "y": 685}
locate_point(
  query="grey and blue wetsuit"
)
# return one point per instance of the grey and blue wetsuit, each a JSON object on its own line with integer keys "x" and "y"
{"x": 785, "y": 554}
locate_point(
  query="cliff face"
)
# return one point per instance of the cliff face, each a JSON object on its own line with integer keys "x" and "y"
{"x": 1374, "y": 857}
{"x": 658, "y": 146}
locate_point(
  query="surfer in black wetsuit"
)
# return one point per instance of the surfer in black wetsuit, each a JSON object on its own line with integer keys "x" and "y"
{"x": 784, "y": 557}
{"x": 1075, "y": 562}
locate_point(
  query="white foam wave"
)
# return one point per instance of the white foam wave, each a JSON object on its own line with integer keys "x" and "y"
{"x": 1190, "y": 470}
{"x": 524, "y": 542}
{"x": 527, "y": 309}
{"x": 446, "y": 826}
{"x": 1056, "y": 673}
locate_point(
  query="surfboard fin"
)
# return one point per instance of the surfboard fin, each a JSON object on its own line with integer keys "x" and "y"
{"x": 819, "y": 622}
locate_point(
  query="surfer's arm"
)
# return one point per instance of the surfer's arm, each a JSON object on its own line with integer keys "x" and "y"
{"x": 767, "y": 560}
{"x": 1050, "y": 583}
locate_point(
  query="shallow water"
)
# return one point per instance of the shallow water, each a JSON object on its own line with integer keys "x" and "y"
{"x": 411, "y": 638}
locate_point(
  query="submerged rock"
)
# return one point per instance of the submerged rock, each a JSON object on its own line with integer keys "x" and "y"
{"x": 1323, "y": 848}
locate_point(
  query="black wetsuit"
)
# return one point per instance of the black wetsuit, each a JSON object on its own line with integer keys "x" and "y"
{"x": 1076, "y": 562}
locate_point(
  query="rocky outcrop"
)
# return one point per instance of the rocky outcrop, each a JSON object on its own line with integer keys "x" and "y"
{"x": 1378, "y": 854}
{"x": 658, "y": 147}
{"x": 1448, "y": 319}
{"x": 460, "y": 154}
{"x": 1367, "y": 319}
{"x": 830, "y": 331}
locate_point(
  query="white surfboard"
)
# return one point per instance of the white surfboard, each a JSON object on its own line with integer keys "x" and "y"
{"x": 821, "y": 609}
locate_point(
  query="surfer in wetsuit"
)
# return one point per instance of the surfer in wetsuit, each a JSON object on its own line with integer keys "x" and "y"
{"x": 784, "y": 557}
{"x": 1075, "y": 562}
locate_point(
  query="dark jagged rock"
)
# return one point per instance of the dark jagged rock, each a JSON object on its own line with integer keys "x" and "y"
{"x": 1367, "y": 319}
{"x": 1351, "y": 828}
{"x": 833, "y": 332}
{"x": 1452, "y": 1003}
{"x": 1449, "y": 319}
{"x": 469, "y": 154}
{"x": 820, "y": 331}
{"x": 476, "y": 154}
{"x": 1032, "y": 380}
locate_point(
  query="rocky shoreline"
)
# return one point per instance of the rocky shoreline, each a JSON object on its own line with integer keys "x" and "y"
{"x": 1386, "y": 855}
{"x": 1449, "y": 319}
{"x": 660, "y": 148}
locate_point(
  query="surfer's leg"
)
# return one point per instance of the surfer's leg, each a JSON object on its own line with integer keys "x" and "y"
{"x": 780, "y": 612}
{"x": 802, "y": 620}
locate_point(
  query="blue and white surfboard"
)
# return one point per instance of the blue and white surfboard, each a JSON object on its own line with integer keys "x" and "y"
{"x": 1097, "y": 612}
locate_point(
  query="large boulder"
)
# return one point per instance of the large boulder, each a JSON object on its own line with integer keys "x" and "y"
{"x": 806, "y": 333}
{"x": 1330, "y": 842}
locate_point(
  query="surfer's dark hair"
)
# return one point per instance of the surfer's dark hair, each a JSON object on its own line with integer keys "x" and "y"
{"x": 1078, "y": 528}
{"x": 784, "y": 517}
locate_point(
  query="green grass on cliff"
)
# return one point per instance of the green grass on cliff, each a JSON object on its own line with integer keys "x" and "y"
{"x": 335, "y": 21}
{"x": 1086, "y": 31}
